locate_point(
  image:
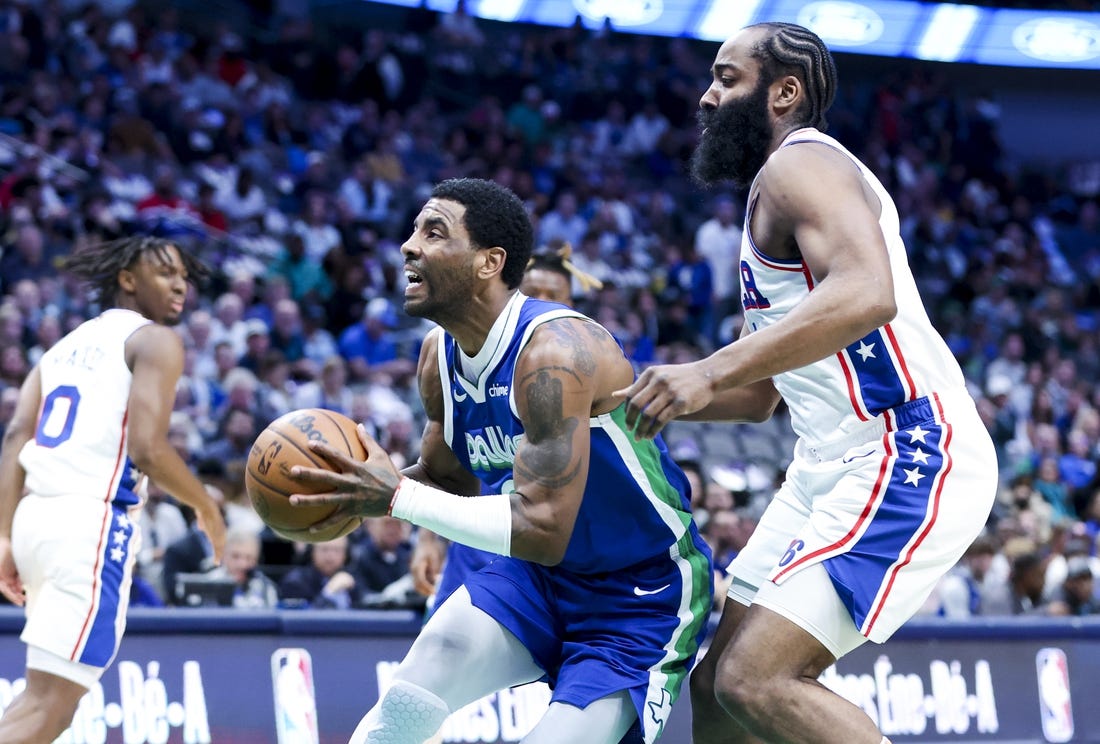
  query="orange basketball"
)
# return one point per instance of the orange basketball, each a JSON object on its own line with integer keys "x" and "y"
{"x": 282, "y": 445}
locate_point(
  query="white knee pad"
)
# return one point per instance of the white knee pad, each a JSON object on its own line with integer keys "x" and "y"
{"x": 406, "y": 714}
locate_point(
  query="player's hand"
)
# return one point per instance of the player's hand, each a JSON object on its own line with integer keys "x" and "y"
{"x": 427, "y": 562}
{"x": 661, "y": 394}
{"x": 361, "y": 488}
{"x": 212, "y": 522}
{"x": 11, "y": 586}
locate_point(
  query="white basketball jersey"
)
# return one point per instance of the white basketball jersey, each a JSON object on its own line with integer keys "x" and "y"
{"x": 79, "y": 445}
{"x": 898, "y": 362}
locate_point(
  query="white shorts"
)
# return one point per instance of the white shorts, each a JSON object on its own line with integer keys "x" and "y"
{"x": 76, "y": 557}
{"x": 885, "y": 519}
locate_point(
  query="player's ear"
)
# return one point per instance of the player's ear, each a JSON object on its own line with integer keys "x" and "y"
{"x": 127, "y": 282}
{"x": 788, "y": 94}
{"x": 492, "y": 261}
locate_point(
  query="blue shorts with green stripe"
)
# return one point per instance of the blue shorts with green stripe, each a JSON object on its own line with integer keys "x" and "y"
{"x": 635, "y": 629}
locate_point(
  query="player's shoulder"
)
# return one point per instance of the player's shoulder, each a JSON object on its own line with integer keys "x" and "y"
{"x": 804, "y": 173}
{"x": 801, "y": 160}
{"x": 577, "y": 343}
{"x": 566, "y": 333}
{"x": 150, "y": 340}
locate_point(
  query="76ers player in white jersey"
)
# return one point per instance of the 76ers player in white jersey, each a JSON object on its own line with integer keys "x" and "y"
{"x": 893, "y": 474}
{"x": 92, "y": 416}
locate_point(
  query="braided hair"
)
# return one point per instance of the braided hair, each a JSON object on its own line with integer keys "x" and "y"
{"x": 98, "y": 265}
{"x": 557, "y": 261}
{"x": 791, "y": 49}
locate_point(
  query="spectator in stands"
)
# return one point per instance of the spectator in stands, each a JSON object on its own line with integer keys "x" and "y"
{"x": 383, "y": 557}
{"x": 254, "y": 590}
{"x": 229, "y": 324}
{"x": 1026, "y": 584}
{"x": 308, "y": 280}
{"x": 27, "y": 257}
{"x": 242, "y": 201}
{"x": 326, "y": 582}
{"x": 46, "y": 334}
{"x": 238, "y": 432}
{"x": 286, "y": 329}
{"x": 718, "y": 242}
{"x": 1075, "y": 596}
{"x": 1049, "y": 484}
{"x": 257, "y": 342}
{"x": 329, "y": 391}
{"x": 966, "y": 591}
{"x": 369, "y": 346}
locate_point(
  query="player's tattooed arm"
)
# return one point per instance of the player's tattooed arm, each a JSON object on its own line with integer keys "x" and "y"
{"x": 555, "y": 381}
{"x": 577, "y": 339}
{"x": 549, "y": 462}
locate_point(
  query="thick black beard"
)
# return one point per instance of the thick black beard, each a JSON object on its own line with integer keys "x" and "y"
{"x": 734, "y": 140}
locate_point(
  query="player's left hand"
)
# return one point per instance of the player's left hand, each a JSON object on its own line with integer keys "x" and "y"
{"x": 361, "y": 488}
{"x": 663, "y": 393}
{"x": 11, "y": 586}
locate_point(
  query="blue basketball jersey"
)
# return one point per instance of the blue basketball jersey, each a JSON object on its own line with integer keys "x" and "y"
{"x": 636, "y": 500}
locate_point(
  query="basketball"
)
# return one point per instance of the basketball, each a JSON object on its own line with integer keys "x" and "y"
{"x": 282, "y": 445}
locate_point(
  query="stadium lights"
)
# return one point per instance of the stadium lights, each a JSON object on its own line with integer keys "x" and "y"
{"x": 892, "y": 28}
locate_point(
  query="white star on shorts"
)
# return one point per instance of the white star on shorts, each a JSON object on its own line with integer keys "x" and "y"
{"x": 913, "y": 476}
{"x": 866, "y": 350}
{"x": 918, "y": 434}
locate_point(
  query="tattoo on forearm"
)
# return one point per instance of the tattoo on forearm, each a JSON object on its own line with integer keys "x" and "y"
{"x": 548, "y": 458}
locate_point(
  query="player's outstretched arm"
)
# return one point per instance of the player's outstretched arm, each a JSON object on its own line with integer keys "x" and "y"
{"x": 814, "y": 198}
{"x": 669, "y": 388}
{"x": 20, "y": 431}
{"x": 155, "y": 356}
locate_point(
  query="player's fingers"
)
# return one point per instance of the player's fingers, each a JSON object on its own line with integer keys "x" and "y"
{"x": 658, "y": 413}
{"x": 373, "y": 448}
{"x": 340, "y": 460}
{"x": 318, "y": 477}
{"x": 654, "y": 423}
{"x": 638, "y": 405}
{"x": 13, "y": 591}
{"x": 316, "y": 499}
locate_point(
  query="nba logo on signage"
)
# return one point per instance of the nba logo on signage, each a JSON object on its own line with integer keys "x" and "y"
{"x": 1055, "y": 703}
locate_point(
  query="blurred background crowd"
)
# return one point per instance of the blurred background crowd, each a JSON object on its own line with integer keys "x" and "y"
{"x": 292, "y": 155}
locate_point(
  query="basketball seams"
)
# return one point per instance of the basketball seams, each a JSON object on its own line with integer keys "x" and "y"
{"x": 261, "y": 481}
{"x": 284, "y": 444}
{"x": 309, "y": 455}
{"x": 339, "y": 428}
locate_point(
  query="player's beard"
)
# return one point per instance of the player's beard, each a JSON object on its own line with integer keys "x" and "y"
{"x": 445, "y": 294}
{"x": 734, "y": 140}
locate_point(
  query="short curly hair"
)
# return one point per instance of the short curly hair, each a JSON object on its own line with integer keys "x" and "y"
{"x": 494, "y": 217}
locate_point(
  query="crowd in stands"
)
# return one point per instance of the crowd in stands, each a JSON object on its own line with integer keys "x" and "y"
{"x": 294, "y": 155}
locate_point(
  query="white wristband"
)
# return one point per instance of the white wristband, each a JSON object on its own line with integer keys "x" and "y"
{"x": 483, "y": 522}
